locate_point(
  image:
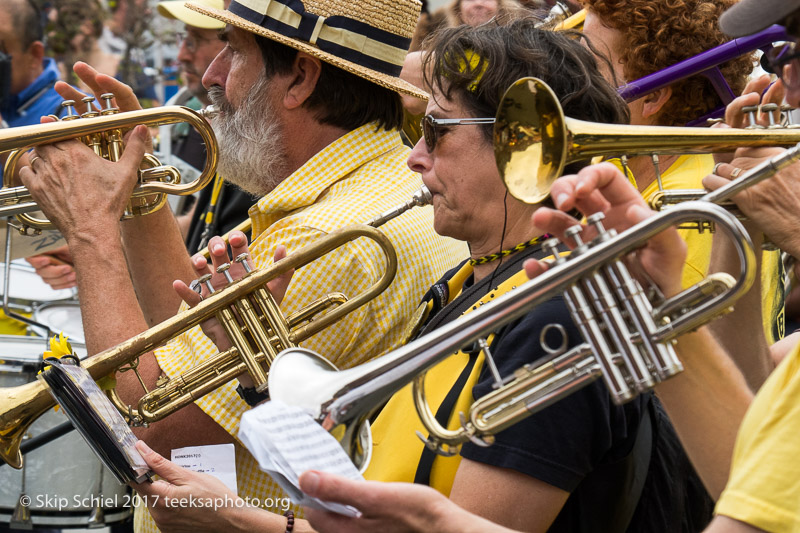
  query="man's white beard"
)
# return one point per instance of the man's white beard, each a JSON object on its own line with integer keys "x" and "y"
{"x": 251, "y": 148}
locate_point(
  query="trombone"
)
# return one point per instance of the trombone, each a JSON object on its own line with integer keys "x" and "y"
{"x": 258, "y": 331}
{"x": 627, "y": 344}
{"x": 102, "y": 131}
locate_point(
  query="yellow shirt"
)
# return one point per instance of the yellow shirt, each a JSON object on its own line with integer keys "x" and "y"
{"x": 353, "y": 179}
{"x": 687, "y": 172}
{"x": 764, "y": 485}
{"x": 396, "y": 447}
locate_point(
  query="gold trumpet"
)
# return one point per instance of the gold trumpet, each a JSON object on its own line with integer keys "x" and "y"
{"x": 533, "y": 140}
{"x": 103, "y": 131}
{"x": 627, "y": 340}
{"x": 245, "y": 308}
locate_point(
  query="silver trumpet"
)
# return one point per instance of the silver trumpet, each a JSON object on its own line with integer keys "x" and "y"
{"x": 664, "y": 199}
{"x": 628, "y": 335}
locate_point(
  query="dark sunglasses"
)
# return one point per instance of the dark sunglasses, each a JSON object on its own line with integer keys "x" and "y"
{"x": 430, "y": 125}
{"x": 782, "y": 55}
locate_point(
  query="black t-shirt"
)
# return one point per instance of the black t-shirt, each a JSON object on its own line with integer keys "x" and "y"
{"x": 584, "y": 444}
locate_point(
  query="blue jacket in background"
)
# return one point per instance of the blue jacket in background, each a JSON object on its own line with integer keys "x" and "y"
{"x": 36, "y": 100}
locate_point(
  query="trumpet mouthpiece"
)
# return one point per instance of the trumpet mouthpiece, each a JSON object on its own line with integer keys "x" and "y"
{"x": 209, "y": 112}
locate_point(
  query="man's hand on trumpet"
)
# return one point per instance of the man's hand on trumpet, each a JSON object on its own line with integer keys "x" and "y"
{"x": 194, "y": 293}
{"x": 81, "y": 193}
{"x": 61, "y": 174}
{"x": 773, "y": 204}
{"x": 603, "y": 188}
{"x": 99, "y": 84}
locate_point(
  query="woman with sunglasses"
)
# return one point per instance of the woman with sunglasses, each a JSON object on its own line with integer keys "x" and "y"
{"x": 562, "y": 469}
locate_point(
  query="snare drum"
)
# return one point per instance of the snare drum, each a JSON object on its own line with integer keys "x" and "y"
{"x": 26, "y": 288}
{"x": 61, "y": 317}
{"x": 66, "y": 483}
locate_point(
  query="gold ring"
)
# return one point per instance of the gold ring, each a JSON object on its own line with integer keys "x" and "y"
{"x": 716, "y": 168}
{"x": 736, "y": 172}
{"x": 33, "y": 160}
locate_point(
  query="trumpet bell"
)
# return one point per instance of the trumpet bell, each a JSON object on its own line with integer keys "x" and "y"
{"x": 529, "y": 140}
{"x": 307, "y": 380}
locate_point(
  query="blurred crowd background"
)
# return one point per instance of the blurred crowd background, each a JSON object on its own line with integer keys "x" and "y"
{"x": 128, "y": 39}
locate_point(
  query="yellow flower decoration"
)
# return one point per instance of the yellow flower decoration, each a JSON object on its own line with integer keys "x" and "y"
{"x": 59, "y": 347}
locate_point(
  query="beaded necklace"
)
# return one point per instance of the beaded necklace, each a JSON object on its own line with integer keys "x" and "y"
{"x": 504, "y": 253}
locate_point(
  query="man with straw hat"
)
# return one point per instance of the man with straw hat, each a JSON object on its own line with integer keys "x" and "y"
{"x": 309, "y": 120}
{"x": 221, "y": 206}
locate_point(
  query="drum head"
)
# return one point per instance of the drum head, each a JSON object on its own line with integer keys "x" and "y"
{"x": 61, "y": 317}
{"x": 21, "y": 357}
{"x": 26, "y": 287}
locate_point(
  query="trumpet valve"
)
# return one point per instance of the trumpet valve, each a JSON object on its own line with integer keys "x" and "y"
{"x": 69, "y": 105}
{"x": 574, "y": 233}
{"x": 750, "y": 111}
{"x": 223, "y": 269}
{"x": 90, "y": 110}
{"x": 242, "y": 260}
{"x": 551, "y": 246}
{"x": 596, "y": 220}
{"x": 769, "y": 110}
{"x": 109, "y": 108}
{"x": 206, "y": 280}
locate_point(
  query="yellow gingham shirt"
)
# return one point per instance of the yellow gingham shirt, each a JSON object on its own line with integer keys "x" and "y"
{"x": 353, "y": 179}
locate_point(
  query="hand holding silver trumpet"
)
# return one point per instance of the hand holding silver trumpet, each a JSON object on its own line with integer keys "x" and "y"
{"x": 628, "y": 329}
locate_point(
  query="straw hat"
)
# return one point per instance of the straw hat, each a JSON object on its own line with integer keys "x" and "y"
{"x": 369, "y": 38}
{"x": 176, "y": 9}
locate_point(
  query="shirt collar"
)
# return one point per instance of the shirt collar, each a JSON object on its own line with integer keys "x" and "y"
{"x": 44, "y": 82}
{"x": 344, "y": 155}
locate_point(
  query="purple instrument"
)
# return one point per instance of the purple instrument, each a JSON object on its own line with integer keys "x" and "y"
{"x": 706, "y": 64}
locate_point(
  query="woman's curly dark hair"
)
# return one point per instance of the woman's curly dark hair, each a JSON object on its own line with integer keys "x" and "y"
{"x": 659, "y": 33}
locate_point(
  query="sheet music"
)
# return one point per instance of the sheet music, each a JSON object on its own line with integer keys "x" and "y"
{"x": 97, "y": 420}
{"x": 218, "y": 460}
{"x": 286, "y": 441}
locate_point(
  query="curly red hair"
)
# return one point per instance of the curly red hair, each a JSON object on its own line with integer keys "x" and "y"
{"x": 660, "y": 33}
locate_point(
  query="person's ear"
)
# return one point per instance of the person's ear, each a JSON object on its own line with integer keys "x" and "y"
{"x": 304, "y": 77}
{"x": 36, "y": 51}
{"x": 653, "y": 102}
